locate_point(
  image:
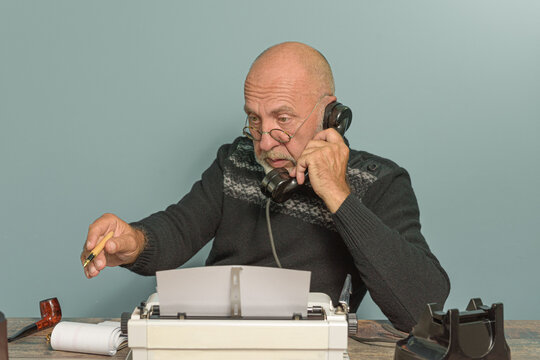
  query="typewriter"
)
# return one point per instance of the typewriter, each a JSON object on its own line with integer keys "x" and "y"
{"x": 318, "y": 331}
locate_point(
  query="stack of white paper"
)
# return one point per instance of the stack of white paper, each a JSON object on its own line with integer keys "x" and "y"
{"x": 206, "y": 291}
{"x": 104, "y": 338}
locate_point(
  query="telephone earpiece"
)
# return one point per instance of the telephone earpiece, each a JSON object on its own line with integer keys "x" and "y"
{"x": 337, "y": 116}
{"x": 277, "y": 184}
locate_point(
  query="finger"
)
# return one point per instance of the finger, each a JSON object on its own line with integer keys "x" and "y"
{"x": 112, "y": 246}
{"x": 301, "y": 178}
{"x": 85, "y": 270}
{"x": 301, "y": 167}
{"x": 84, "y": 255}
{"x": 99, "y": 229}
{"x": 121, "y": 244}
{"x": 329, "y": 135}
{"x": 310, "y": 158}
{"x": 321, "y": 148}
{"x": 315, "y": 144}
{"x": 304, "y": 161}
{"x": 100, "y": 261}
{"x": 91, "y": 270}
{"x": 292, "y": 172}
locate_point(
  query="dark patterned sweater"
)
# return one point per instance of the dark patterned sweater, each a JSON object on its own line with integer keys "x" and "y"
{"x": 375, "y": 235}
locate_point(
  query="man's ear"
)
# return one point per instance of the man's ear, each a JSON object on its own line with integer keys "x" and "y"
{"x": 330, "y": 99}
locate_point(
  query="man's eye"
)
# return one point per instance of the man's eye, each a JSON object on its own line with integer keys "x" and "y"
{"x": 284, "y": 119}
{"x": 253, "y": 119}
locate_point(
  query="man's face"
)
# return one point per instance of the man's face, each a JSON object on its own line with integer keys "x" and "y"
{"x": 274, "y": 101}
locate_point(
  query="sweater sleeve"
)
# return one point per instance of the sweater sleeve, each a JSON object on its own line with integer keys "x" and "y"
{"x": 382, "y": 233}
{"x": 174, "y": 235}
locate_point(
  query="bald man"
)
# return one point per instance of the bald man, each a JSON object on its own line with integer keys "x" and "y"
{"x": 358, "y": 215}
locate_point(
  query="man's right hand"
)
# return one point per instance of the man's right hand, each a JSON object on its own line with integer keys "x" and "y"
{"x": 124, "y": 247}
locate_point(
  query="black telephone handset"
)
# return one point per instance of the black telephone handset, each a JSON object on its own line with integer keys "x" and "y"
{"x": 278, "y": 184}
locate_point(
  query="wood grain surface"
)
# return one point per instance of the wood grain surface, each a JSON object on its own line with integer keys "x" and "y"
{"x": 523, "y": 337}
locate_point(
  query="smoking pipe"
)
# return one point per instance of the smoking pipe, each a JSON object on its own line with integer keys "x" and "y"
{"x": 51, "y": 314}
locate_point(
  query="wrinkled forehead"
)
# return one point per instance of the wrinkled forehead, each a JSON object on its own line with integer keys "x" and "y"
{"x": 279, "y": 86}
{"x": 271, "y": 81}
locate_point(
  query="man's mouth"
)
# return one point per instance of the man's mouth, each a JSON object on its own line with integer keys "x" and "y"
{"x": 270, "y": 160}
{"x": 278, "y": 163}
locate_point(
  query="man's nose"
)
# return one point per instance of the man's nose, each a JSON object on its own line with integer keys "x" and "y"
{"x": 267, "y": 142}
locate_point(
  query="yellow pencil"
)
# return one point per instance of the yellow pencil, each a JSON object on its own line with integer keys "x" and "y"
{"x": 96, "y": 250}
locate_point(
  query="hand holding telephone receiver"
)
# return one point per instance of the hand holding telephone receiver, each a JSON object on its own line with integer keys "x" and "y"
{"x": 278, "y": 184}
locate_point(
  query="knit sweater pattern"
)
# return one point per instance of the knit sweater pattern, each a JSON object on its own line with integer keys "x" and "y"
{"x": 374, "y": 236}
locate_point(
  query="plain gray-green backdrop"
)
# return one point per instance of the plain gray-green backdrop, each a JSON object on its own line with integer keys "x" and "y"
{"x": 119, "y": 106}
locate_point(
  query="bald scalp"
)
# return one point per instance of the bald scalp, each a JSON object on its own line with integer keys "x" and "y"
{"x": 295, "y": 55}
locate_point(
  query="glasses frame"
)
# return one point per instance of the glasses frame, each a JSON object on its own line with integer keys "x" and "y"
{"x": 247, "y": 134}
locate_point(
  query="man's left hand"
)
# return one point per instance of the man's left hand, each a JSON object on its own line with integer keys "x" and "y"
{"x": 325, "y": 157}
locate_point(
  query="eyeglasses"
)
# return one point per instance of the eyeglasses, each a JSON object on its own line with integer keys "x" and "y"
{"x": 280, "y": 135}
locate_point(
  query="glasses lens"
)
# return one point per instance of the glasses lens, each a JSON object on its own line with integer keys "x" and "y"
{"x": 252, "y": 133}
{"x": 277, "y": 134}
{"x": 280, "y": 135}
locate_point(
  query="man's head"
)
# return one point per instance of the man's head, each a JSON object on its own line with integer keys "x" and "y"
{"x": 287, "y": 84}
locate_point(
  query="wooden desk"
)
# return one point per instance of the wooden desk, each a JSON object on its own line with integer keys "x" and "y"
{"x": 522, "y": 336}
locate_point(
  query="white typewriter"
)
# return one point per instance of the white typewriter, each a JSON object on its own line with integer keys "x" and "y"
{"x": 248, "y": 313}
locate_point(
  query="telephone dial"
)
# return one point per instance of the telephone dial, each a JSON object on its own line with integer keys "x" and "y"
{"x": 278, "y": 184}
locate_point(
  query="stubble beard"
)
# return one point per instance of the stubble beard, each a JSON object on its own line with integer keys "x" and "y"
{"x": 276, "y": 155}
{"x": 263, "y": 155}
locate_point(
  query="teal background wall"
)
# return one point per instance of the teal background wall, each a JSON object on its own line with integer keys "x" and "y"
{"x": 118, "y": 106}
